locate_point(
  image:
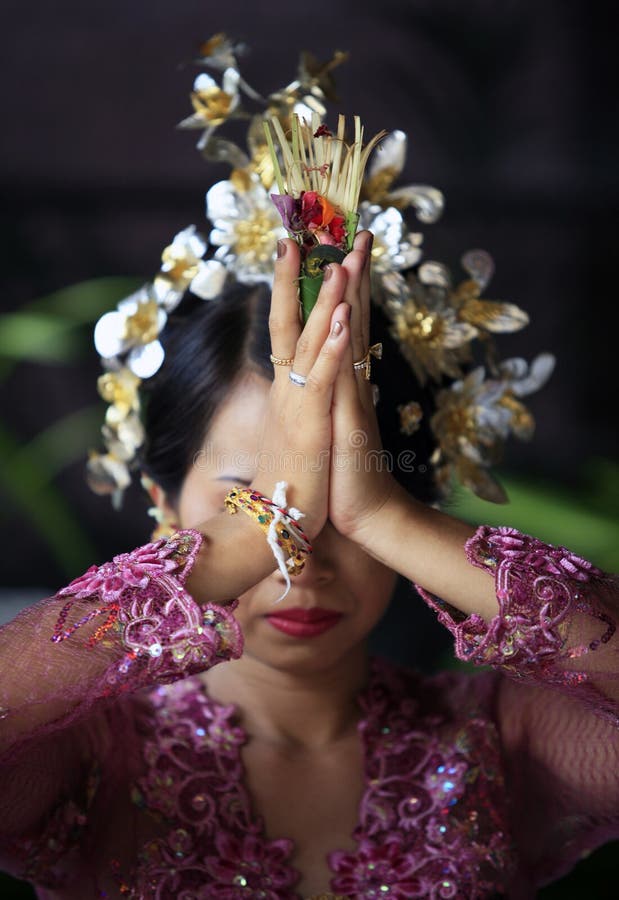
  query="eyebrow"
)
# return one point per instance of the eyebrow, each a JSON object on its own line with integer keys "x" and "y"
{"x": 236, "y": 478}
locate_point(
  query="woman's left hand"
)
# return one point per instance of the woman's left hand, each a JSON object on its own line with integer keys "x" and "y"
{"x": 360, "y": 478}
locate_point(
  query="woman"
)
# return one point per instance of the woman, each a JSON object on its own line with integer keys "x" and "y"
{"x": 297, "y": 769}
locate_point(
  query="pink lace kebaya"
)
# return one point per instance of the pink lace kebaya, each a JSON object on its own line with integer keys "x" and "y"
{"x": 123, "y": 778}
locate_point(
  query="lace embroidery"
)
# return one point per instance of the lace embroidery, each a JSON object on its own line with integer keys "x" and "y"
{"x": 549, "y": 598}
{"x": 432, "y": 820}
{"x": 537, "y": 586}
{"x": 164, "y": 632}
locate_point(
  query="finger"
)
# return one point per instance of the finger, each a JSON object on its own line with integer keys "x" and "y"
{"x": 353, "y": 403}
{"x": 318, "y": 324}
{"x": 360, "y": 326}
{"x": 318, "y": 390}
{"x": 366, "y": 289}
{"x": 346, "y": 391}
{"x": 284, "y": 325}
{"x": 354, "y": 265}
{"x": 363, "y": 242}
{"x": 352, "y": 386}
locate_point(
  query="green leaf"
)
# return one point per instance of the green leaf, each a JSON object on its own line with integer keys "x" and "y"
{"x": 83, "y": 303}
{"x": 49, "y": 329}
{"x": 63, "y": 443}
{"x": 26, "y": 478}
{"x": 569, "y": 517}
{"x": 38, "y": 337}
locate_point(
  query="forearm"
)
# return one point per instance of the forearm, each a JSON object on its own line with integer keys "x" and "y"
{"x": 533, "y": 610}
{"x": 426, "y": 546}
{"x": 129, "y": 623}
{"x": 234, "y": 557}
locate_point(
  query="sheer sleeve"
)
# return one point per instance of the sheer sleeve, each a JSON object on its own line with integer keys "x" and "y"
{"x": 555, "y": 638}
{"x": 118, "y": 628}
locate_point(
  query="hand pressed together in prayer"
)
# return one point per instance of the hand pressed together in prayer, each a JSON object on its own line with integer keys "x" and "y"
{"x": 325, "y": 435}
{"x": 297, "y": 429}
{"x": 360, "y": 482}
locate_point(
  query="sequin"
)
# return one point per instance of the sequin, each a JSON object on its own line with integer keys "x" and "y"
{"x": 433, "y": 818}
{"x": 537, "y": 585}
{"x": 199, "y": 801}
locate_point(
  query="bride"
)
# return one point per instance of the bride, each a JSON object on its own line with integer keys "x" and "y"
{"x": 169, "y": 731}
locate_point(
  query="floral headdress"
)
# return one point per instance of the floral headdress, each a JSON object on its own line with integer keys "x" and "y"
{"x": 298, "y": 178}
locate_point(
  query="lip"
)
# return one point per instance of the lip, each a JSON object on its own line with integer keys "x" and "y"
{"x": 304, "y": 623}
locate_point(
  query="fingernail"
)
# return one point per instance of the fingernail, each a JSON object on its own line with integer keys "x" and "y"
{"x": 328, "y": 273}
{"x": 337, "y": 328}
{"x": 281, "y": 249}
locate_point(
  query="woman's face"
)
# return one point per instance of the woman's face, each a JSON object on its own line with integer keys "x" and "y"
{"x": 339, "y": 576}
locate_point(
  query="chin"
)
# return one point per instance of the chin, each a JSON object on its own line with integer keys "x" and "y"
{"x": 303, "y": 658}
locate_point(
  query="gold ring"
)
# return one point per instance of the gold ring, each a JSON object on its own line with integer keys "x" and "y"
{"x": 365, "y": 365}
{"x": 278, "y": 361}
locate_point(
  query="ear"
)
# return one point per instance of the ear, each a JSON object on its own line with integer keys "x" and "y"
{"x": 166, "y": 511}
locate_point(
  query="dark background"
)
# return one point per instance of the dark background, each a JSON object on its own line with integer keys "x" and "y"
{"x": 510, "y": 109}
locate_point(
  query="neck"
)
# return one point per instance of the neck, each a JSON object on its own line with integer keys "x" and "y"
{"x": 291, "y": 709}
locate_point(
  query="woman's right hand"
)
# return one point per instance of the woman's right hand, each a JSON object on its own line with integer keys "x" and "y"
{"x": 296, "y": 438}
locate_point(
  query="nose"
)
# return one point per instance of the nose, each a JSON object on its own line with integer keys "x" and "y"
{"x": 320, "y": 568}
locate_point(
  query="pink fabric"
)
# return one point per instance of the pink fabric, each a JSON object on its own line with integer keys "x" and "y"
{"x": 121, "y": 777}
{"x": 556, "y": 620}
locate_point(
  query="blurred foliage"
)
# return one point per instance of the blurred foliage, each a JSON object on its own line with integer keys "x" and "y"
{"x": 582, "y": 516}
{"x": 53, "y": 330}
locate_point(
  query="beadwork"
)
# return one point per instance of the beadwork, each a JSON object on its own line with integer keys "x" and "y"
{"x": 436, "y": 825}
{"x": 436, "y": 813}
{"x": 290, "y": 536}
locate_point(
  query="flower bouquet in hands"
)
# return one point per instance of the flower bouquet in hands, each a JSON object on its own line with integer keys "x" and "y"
{"x": 319, "y": 191}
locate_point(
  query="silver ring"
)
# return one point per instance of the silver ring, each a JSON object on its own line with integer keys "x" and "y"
{"x": 297, "y": 379}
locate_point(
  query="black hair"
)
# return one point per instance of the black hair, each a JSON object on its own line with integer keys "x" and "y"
{"x": 209, "y": 344}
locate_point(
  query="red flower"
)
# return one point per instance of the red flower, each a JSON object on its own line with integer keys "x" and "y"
{"x": 311, "y": 209}
{"x": 320, "y": 217}
{"x": 337, "y": 229}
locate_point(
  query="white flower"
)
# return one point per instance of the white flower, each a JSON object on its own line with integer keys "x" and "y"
{"x": 133, "y": 328}
{"x": 220, "y": 52}
{"x": 246, "y": 229}
{"x": 387, "y": 164}
{"x": 181, "y": 263}
{"x": 123, "y": 439}
{"x": 395, "y": 247}
{"x": 475, "y": 415}
{"x": 210, "y": 280}
{"x": 524, "y": 378}
{"x": 106, "y": 474}
{"x": 425, "y": 325}
{"x": 213, "y": 105}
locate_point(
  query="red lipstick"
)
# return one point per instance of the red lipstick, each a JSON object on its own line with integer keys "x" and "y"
{"x": 304, "y": 623}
